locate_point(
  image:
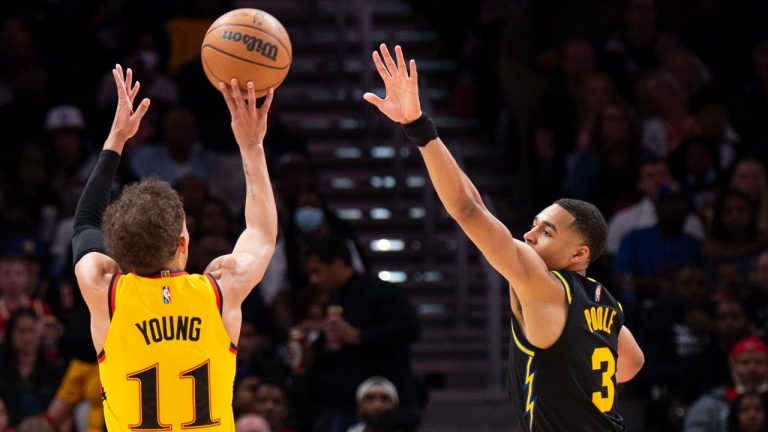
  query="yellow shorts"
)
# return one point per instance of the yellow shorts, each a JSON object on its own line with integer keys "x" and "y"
{"x": 82, "y": 383}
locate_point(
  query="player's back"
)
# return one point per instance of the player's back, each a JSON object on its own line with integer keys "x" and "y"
{"x": 168, "y": 362}
{"x": 570, "y": 386}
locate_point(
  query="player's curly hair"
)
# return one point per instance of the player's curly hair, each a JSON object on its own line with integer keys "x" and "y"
{"x": 142, "y": 227}
{"x": 589, "y": 222}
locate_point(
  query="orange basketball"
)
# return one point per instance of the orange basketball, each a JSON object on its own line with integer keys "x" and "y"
{"x": 249, "y": 45}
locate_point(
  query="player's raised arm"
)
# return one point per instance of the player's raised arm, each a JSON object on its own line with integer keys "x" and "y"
{"x": 240, "y": 271}
{"x": 518, "y": 263}
{"x": 92, "y": 264}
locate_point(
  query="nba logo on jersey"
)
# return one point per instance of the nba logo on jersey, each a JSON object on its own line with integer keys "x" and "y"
{"x": 166, "y": 295}
{"x": 598, "y": 292}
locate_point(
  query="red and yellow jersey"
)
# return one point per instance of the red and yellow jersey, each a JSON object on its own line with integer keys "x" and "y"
{"x": 168, "y": 362}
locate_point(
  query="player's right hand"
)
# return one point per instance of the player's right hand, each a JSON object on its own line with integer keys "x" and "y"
{"x": 401, "y": 103}
{"x": 249, "y": 123}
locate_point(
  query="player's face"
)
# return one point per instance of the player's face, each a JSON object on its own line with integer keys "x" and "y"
{"x": 552, "y": 237}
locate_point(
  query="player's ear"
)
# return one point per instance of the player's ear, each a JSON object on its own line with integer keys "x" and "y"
{"x": 581, "y": 255}
{"x": 183, "y": 246}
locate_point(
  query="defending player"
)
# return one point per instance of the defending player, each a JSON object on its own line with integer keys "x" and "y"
{"x": 569, "y": 346}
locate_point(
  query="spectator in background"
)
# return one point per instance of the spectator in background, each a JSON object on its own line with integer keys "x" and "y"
{"x": 193, "y": 194}
{"x": 631, "y": 51}
{"x": 69, "y": 146}
{"x": 16, "y": 286}
{"x": 367, "y": 331}
{"x": 710, "y": 368}
{"x": 749, "y": 374}
{"x": 27, "y": 379}
{"x": 612, "y": 152}
{"x": 710, "y": 108}
{"x": 695, "y": 165}
{"x": 180, "y": 153}
{"x": 757, "y": 298}
{"x": 687, "y": 70}
{"x": 653, "y": 176}
{"x": 5, "y": 421}
{"x": 674, "y": 329}
{"x": 667, "y": 119}
{"x": 752, "y": 108}
{"x": 731, "y": 249}
{"x": 272, "y": 404}
{"x": 649, "y": 255}
{"x": 375, "y": 396}
{"x": 747, "y": 413}
{"x": 251, "y": 423}
{"x": 749, "y": 177}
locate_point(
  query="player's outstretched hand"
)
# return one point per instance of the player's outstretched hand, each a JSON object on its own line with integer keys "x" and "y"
{"x": 401, "y": 103}
{"x": 249, "y": 123}
{"x": 126, "y": 121}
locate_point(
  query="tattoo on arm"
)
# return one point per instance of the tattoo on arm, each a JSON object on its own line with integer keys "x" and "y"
{"x": 250, "y": 181}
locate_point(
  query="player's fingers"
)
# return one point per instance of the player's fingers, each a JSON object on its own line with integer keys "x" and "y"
{"x": 251, "y": 98}
{"x": 388, "y": 60}
{"x": 141, "y": 110}
{"x": 374, "y": 100}
{"x": 412, "y": 73}
{"x": 237, "y": 95}
{"x": 119, "y": 70}
{"x": 267, "y": 101}
{"x": 134, "y": 91}
{"x": 383, "y": 72}
{"x": 227, "y": 97}
{"x": 128, "y": 78}
{"x": 118, "y": 84}
{"x": 400, "y": 61}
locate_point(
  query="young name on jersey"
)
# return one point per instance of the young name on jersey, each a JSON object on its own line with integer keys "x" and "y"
{"x": 170, "y": 328}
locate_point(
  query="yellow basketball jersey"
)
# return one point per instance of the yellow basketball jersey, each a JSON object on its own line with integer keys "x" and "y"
{"x": 168, "y": 362}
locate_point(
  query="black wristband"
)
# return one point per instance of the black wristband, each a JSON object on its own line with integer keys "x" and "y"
{"x": 421, "y": 131}
{"x": 90, "y": 208}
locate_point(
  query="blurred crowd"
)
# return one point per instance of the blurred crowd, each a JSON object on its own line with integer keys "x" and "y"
{"x": 655, "y": 111}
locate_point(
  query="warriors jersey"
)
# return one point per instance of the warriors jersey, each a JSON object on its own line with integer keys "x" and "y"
{"x": 168, "y": 362}
{"x": 570, "y": 386}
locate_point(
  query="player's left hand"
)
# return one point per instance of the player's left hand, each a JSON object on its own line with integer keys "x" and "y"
{"x": 249, "y": 123}
{"x": 126, "y": 122}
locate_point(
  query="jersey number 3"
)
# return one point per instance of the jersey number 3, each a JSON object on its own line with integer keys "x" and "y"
{"x": 149, "y": 412}
{"x": 603, "y": 361}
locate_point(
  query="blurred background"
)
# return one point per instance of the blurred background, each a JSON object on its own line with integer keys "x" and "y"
{"x": 656, "y": 111}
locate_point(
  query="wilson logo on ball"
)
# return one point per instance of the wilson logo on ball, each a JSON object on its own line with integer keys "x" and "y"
{"x": 252, "y": 43}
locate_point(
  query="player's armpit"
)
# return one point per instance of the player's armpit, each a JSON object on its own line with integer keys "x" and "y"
{"x": 238, "y": 273}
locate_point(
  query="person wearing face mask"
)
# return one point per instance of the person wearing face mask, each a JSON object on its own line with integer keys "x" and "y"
{"x": 749, "y": 374}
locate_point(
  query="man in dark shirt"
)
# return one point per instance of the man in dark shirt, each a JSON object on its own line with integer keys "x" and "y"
{"x": 367, "y": 331}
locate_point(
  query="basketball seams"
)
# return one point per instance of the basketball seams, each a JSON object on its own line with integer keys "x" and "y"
{"x": 274, "y": 37}
{"x": 209, "y": 70}
{"x": 240, "y": 58}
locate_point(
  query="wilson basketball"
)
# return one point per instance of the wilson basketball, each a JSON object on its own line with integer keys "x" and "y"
{"x": 249, "y": 45}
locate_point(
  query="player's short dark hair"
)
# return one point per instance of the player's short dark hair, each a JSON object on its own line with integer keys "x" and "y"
{"x": 142, "y": 227}
{"x": 589, "y": 222}
{"x": 330, "y": 248}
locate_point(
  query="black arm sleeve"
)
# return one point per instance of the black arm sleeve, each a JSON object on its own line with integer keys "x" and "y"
{"x": 90, "y": 208}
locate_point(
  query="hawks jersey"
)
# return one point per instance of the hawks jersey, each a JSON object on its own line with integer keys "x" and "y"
{"x": 168, "y": 362}
{"x": 570, "y": 386}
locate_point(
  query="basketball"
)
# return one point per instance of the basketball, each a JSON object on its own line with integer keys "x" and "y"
{"x": 249, "y": 45}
